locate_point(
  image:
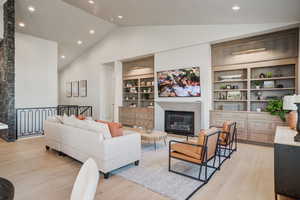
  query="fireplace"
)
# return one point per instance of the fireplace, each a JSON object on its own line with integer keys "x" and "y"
{"x": 179, "y": 122}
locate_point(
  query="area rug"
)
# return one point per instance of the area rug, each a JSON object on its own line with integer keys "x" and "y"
{"x": 153, "y": 173}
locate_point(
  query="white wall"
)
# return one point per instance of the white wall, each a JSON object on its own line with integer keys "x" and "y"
{"x": 129, "y": 42}
{"x": 82, "y": 71}
{"x": 1, "y": 21}
{"x": 36, "y": 72}
{"x": 199, "y": 56}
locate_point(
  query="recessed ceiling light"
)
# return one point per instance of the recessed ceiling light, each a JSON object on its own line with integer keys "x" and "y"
{"x": 79, "y": 42}
{"x": 236, "y": 8}
{"x": 92, "y": 31}
{"x": 31, "y": 8}
{"x": 22, "y": 24}
{"x": 63, "y": 56}
{"x": 91, "y": 2}
{"x": 120, "y": 17}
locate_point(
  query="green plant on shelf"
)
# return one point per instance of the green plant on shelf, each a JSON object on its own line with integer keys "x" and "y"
{"x": 269, "y": 74}
{"x": 275, "y": 107}
{"x": 257, "y": 83}
{"x": 223, "y": 87}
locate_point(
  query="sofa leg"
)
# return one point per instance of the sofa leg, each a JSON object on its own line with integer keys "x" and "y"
{"x": 106, "y": 175}
{"x": 61, "y": 153}
{"x": 136, "y": 163}
{"x": 47, "y": 148}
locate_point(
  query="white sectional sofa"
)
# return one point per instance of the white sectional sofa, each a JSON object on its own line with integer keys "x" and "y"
{"x": 110, "y": 153}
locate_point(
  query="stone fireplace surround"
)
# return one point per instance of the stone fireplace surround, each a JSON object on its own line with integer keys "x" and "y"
{"x": 161, "y": 107}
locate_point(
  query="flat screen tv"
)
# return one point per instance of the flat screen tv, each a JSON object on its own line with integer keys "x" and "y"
{"x": 179, "y": 83}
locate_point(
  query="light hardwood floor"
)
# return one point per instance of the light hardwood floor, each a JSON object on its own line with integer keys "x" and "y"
{"x": 39, "y": 174}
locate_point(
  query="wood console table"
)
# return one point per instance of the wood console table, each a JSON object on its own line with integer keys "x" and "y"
{"x": 286, "y": 163}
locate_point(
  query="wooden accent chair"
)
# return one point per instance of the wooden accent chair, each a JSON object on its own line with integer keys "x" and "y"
{"x": 228, "y": 139}
{"x": 200, "y": 152}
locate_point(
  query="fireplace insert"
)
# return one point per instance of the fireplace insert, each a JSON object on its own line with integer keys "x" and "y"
{"x": 179, "y": 122}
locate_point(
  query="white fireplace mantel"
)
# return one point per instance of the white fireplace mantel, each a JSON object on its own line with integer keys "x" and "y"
{"x": 189, "y": 106}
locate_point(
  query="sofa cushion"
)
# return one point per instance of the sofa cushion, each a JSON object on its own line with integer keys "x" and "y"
{"x": 101, "y": 128}
{"x": 55, "y": 119}
{"x": 116, "y": 129}
{"x": 70, "y": 121}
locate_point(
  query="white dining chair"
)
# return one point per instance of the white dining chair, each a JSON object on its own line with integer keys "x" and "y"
{"x": 86, "y": 182}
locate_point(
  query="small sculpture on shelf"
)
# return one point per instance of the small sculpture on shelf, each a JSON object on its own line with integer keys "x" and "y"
{"x": 262, "y": 75}
{"x": 259, "y": 95}
{"x": 279, "y": 86}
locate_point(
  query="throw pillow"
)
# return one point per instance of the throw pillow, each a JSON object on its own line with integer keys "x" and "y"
{"x": 53, "y": 119}
{"x": 116, "y": 129}
{"x": 81, "y": 117}
{"x": 70, "y": 121}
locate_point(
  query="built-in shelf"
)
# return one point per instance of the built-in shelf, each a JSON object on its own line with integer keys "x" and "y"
{"x": 273, "y": 78}
{"x": 146, "y": 92}
{"x": 230, "y": 100}
{"x": 131, "y": 87}
{"x": 230, "y": 90}
{"x": 260, "y": 100}
{"x": 147, "y": 86}
{"x": 284, "y": 74}
{"x": 230, "y": 81}
{"x": 131, "y": 100}
{"x": 130, "y": 92}
{"x": 272, "y": 89}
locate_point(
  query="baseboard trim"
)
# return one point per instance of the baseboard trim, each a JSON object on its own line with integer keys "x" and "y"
{"x": 255, "y": 143}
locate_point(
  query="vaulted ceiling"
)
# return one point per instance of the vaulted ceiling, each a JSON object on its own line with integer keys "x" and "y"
{"x": 58, "y": 21}
{"x": 68, "y": 21}
{"x": 191, "y": 12}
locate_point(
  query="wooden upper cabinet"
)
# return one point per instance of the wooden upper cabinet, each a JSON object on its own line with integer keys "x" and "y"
{"x": 279, "y": 45}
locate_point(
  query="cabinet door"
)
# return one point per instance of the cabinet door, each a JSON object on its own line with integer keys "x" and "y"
{"x": 273, "y": 46}
{"x": 127, "y": 116}
{"x": 218, "y": 118}
{"x": 260, "y": 131}
{"x": 145, "y": 117}
{"x": 287, "y": 173}
{"x": 262, "y": 127}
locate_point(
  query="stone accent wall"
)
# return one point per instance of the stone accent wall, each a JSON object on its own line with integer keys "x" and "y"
{"x": 7, "y": 71}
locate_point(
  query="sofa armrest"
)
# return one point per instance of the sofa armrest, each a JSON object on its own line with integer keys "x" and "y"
{"x": 121, "y": 146}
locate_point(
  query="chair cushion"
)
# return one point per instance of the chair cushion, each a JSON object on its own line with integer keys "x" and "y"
{"x": 188, "y": 150}
{"x": 116, "y": 129}
{"x": 225, "y": 132}
{"x": 195, "y": 152}
{"x": 184, "y": 157}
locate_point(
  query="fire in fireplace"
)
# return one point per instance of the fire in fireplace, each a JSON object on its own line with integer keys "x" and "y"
{"x": 179, "y": 122}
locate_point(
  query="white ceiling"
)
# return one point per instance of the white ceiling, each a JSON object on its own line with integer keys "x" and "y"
{"x": 67, "y": 21}
{"x": 192, "y": 12}
{"x": 58, "y": 21}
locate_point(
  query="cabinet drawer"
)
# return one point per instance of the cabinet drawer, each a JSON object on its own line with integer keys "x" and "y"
{"x": 228, "y": 116}
{"x": 265, "y": 138}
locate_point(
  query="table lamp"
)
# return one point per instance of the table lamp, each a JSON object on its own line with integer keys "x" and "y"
{"x": 293, "y": 103}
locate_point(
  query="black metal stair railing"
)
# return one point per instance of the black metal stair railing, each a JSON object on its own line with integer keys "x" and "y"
{"x": 30, "y": 121}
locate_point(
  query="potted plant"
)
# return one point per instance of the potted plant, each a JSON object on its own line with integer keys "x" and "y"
{"x": 269, "y": 74}
{"x": 275, "y": 107}
{"x": 257, "y": 84}
{"x": 223, "y": 87}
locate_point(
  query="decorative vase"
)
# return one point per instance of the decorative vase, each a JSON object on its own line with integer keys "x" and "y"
{"x": 292, "y": 119}
{"x": 257, "y": 87}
